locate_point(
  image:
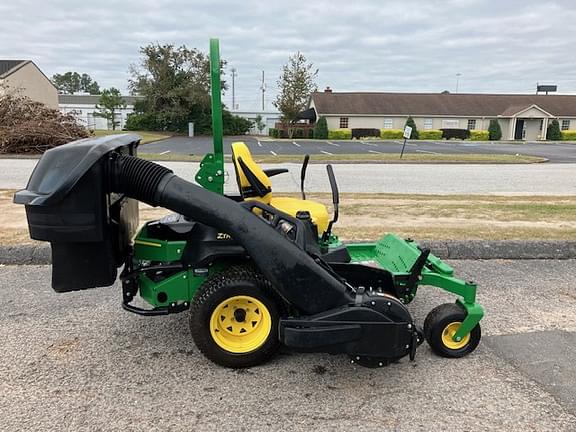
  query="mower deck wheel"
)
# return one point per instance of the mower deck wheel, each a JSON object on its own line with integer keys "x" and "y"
{"x": 440, "y": 326}
{"x": 234, "y": 318}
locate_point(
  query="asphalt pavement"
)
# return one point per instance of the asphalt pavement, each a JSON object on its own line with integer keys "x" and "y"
{"x": 76, "y": 361}
{"x": 555, "y": 152}
{"x": 478, "y": 179}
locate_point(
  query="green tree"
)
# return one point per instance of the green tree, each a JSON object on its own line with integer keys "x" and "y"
{"x": 553, "y": 133}
{"x": 73, "y": 82}
{"x": 410, "y": 122}
{"x": 321, "y": 129}
{"x": 494, "y": 130}
{"x": 295, "y": 85}
{"x": 88, "y": 85}
{"x": 175, "y": 83}
{"x": 259, "y": 123}
{"x": 110, "y": 102}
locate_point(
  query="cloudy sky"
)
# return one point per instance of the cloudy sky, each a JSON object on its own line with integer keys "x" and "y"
{"x": 357, "y": 45}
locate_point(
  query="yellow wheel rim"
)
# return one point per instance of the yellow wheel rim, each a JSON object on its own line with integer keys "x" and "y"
{"x": 449, "y": 332}
{"x": 240, "y": 324}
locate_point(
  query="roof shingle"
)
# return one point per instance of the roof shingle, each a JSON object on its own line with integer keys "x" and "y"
{"x": 438, "y": 104}
{"x": 8, "y": 65}
{"x": 65, "y": 99}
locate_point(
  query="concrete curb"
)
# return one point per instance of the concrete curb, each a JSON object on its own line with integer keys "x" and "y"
{"x": 39, "y": 254}
{"x": 502, "y": 249}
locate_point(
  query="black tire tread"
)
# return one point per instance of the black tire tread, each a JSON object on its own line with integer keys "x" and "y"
{"x": 224, "y": 280}
{"x": 435, "y": 323}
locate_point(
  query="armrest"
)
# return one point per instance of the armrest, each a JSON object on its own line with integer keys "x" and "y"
{"x": 271, "y": 172}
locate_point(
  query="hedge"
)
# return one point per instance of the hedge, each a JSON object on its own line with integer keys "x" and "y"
{"x": 340, "y": 134}
{"x": 303, "y": 133}
{"x": 391, "y": 133}
{"x": 449, "y": 133}
{"x": 479, "y": 135}
{"x": 569, "y": 135}
{"x": 365, "y": 133}
{"x": 431, "y": 134}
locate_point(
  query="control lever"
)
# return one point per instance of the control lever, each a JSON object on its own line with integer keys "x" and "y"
{"x": 303, "y": 175}
{"x": 335, "y": 202}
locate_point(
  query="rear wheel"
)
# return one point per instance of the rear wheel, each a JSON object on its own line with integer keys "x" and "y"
{"x": 440, "y": 326}
{"x": 234, "y": 318}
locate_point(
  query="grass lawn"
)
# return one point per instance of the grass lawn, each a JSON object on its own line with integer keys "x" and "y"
{"x": 369, "y": 216}
{"x": 366, "y": 158}
{"x": 147, "y": 137}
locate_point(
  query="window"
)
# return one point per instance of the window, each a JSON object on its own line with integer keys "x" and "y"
{"x": 343, "y": 122}
{"x": 388, "y": 123}
{"x": 428, "y": 123}
{"x": 471, "y": 124}
{"x": 450, "y": 124}
{"x": 565, "y": 124}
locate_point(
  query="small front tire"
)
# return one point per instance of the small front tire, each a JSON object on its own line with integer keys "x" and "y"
{"x": 441, "y": 324}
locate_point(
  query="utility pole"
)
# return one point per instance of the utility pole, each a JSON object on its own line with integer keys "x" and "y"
{"x": 458, "y": 75}
{"x": 263, "y": 90}
{"x": 233, "y": 92}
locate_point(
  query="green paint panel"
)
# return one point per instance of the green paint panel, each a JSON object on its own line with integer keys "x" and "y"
{"x": 211, "y": 173}
{"x": 398, "y": 256}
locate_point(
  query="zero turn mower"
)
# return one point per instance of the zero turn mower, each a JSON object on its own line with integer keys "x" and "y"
{"x": 255, "y": 271}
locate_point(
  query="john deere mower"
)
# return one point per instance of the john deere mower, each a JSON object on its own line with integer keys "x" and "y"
{"x": 254, "y": 271}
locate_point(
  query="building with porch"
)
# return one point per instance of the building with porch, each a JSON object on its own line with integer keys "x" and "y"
{"x": 521, "y": 116}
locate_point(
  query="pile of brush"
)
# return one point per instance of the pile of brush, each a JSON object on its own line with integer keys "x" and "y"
{"x": 27, "y": 126}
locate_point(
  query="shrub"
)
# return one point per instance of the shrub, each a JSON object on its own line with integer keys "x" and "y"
{"x": 431, "y": 134}
{"x": 340, "y": 134}
{"x": 494, "y": 130}
{"x": 479, "y": 135}
{"x": 569, "y": 135}
{"x": 391, "y": 133}
{"x": 298, "y": 133}
{"x": 235, "y": 125}
{"x": 365, "y": 132}
{"x": 410, "y": 122}
{"x": 321, "y": 128}
{"x": 273, "y": 132}
{"x": 554, "y": 133}
{"x": 312, "y": 133}
{"x": 140, "y": 122}
{"x": 455, "y": 133}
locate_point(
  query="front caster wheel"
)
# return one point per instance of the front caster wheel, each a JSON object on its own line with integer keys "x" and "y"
{"x": 234, "y": 318}
{"x": 440, "y": 326}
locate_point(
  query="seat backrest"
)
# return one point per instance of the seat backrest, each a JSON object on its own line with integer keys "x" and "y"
{"x": 252, "y": 180}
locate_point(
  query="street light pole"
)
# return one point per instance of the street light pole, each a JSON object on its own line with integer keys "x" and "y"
{"x": 233, "y": 70}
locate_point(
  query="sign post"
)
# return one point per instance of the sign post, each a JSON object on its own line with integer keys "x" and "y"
{"x": 407, "y": 134}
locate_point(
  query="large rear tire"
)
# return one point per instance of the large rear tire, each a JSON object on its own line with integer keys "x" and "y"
{"x": 234, "y": 318}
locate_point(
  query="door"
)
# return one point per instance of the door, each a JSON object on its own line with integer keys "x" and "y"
{"x": 519, "y": 131}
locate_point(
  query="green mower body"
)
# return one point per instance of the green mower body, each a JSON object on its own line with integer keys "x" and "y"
{"x": 254, "y": 271}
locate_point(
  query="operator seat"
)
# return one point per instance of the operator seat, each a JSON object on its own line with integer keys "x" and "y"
{"x": 254, "y": 184}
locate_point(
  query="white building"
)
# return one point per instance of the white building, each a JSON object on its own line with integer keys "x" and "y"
{"x": 269, "y": 119}
{"x": 84, "y": 106}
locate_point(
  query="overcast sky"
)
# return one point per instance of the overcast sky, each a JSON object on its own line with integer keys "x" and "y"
{"x": 419, "y": 45}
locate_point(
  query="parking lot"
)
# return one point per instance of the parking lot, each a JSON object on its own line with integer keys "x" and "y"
{"x": 76, "y": 361}
{"x": 556, "y": 152}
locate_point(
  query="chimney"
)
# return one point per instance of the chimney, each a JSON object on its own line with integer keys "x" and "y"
{"x": 327, "y": 89}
